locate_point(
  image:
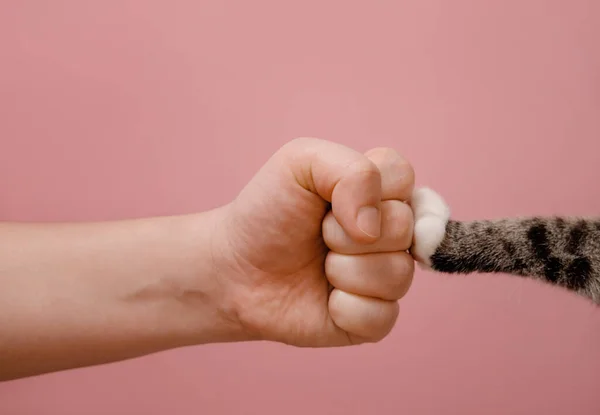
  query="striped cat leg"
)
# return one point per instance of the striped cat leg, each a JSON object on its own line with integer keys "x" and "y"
{"x": 560, "y": 251}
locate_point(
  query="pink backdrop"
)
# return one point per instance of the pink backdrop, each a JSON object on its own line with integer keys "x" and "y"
{"x": 114, "y": 109}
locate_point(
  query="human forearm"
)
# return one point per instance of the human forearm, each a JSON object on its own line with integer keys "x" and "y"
{"x": 75, "y": 295}
{"x": 311, "y": 253}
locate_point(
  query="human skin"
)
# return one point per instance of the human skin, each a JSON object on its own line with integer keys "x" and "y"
{"x": 290, "y": 260}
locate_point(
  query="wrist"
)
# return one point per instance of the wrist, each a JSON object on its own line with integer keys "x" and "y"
{"x": 203, "y": 292}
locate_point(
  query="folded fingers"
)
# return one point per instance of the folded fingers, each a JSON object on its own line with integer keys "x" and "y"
{"x": 387, "y": 276}
{"x": 368, "y": 279}
{"x": 396, "y": 231}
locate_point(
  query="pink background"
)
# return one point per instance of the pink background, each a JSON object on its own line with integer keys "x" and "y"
{"x": 114, "y": 109}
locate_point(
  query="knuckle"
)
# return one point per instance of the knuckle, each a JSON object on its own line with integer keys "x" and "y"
{"x": 403, "y": 265}
{"x": 384, "y": 154}
{"x": 386, "y": 324}
{"x": 408, "y": 171}
{"x": 300, "y": 145}
{"x": 399, "y": 219}
{"x": 365, "y": 167}
{"x": 401, "y": 280}
{"x": 292, "y": 144}
{"x": 390, "y": 158}
{"x": 403, "y": 179}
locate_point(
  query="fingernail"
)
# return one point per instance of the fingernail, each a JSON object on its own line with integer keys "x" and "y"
{"x": 369, "y": 221}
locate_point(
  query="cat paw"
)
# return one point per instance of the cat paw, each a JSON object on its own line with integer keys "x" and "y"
{"x": 431, "y": 215}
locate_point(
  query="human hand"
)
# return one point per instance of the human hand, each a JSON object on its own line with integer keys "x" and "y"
{"x": 313, "y": 251}
{"x": 286, "y": 261}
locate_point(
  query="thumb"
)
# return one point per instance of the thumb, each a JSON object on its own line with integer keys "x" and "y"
{"x": 343, "y": 177}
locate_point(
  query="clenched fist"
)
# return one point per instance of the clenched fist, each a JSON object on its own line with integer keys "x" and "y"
{"x": 313, "y": 252}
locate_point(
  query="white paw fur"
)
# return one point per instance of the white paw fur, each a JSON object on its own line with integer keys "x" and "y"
{"x": 431, "y": 215}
